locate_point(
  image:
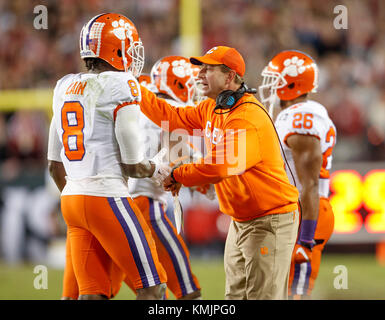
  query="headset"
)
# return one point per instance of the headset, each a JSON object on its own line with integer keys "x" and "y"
{"x": 227, "y": 100}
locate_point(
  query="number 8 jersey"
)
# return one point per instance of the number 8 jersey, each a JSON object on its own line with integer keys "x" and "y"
{"x": 82, "y": 132}
{"x": 308, "y": 118}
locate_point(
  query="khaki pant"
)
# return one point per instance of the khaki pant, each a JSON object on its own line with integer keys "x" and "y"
{"x": 257, "y": 257}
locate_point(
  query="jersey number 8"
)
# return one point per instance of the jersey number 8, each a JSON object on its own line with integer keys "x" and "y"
{"x": 72, "y": 118}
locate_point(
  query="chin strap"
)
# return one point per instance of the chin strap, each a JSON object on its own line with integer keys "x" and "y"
{"x": 124, "y": 56}
{"x": 271, "y": 103}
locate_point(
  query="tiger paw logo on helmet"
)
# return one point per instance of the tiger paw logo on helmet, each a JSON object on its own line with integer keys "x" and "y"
{"x": 293, "y": 67}
{"x": 121, "y": 29}
{"x": 113, "y": 38}
{"x": 174, "y": 76}
{"x": 290, "y": 74}
{"x": 181, "y": 69}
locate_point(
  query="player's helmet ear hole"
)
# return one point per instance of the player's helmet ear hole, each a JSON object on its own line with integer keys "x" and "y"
{"x": 119, "y": 53}
{"x": 291, "y": 85}
{"x": 179, "y": 84}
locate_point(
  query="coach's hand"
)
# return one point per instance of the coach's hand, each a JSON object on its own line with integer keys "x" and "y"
{"x": 170, "y": 184}
{"x": 302, "y": 252}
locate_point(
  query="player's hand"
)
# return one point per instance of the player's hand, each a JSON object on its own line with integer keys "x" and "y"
{"x": 302, "y": 252}
{"x": 162, "y": 169}
{"x": 169, "y": 184}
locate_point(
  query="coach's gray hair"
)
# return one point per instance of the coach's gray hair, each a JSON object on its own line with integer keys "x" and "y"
{"x": 238, "y": 79}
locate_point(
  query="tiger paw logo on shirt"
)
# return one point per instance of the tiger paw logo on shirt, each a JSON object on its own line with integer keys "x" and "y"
{"x": 264, "y": 251}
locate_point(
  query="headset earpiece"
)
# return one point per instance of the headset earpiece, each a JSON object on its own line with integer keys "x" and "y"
{"x": 228, "y": 98}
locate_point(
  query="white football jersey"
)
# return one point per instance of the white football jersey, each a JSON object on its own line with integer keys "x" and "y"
{"x": 85, "y": 106}
{"x": 308, "y": 118}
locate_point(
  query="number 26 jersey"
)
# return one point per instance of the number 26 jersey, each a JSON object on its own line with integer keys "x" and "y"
{"x": 308, "y": 118}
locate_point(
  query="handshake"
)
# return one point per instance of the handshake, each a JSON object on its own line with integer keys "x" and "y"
{"x": 163, "y": 173}
{"x": 163, "y": 176}
{"x": 162, "y": 168}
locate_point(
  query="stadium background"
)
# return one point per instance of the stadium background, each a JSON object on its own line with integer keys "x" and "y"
{"x": 352, "y": 87}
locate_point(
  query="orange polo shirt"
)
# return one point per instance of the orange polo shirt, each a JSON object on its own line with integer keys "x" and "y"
{"x": 243, "y": 159}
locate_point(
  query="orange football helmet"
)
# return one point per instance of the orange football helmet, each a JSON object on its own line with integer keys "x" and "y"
{"x": 113, "y": 38}
{"x": 174, "y": 76}
{"x": 288, "y": 75}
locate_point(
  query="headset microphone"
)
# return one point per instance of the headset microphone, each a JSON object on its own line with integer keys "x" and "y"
{"x": 251, "y": 90}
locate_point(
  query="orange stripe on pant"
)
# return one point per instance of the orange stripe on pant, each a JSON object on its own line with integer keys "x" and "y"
{"x": 103, "y": 231}
{"x": 303, "y": 276}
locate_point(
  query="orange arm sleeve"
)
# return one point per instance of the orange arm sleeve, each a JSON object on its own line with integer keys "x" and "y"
{"x": 158, "y": 110}
{"x": 237, "y": 151}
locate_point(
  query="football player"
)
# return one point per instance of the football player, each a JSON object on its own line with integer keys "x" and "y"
{"x": 308, "y": 136}
{"x": 94, "y": 146}
{"x": 150, "y": 197}
{"x": 172, "y": 79}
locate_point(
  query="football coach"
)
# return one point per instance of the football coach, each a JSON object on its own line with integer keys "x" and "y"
{"x": 245, "y": 164}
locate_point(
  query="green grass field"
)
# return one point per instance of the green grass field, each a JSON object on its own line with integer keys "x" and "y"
{"x": 366, "y": 280}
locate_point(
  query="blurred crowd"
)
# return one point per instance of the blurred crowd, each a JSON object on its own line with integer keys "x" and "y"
{"x": 351, "y": 61}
